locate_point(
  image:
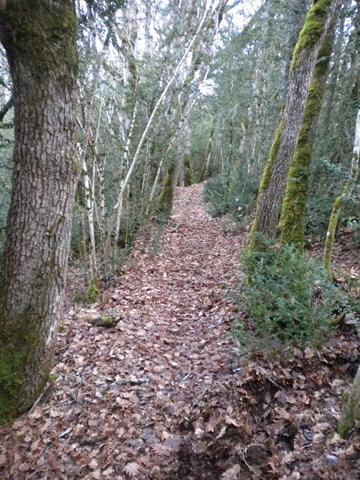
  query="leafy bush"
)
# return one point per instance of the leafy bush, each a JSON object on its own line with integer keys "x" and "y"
{"x": 287, "y": 298}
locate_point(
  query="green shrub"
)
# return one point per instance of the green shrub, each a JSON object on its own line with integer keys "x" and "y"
{"x": 233, "y": 196}
{"x": 287, "y": 299}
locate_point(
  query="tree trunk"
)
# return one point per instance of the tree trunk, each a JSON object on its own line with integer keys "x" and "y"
{"x": 297, "y": 15}
{"x": 294, "y": 204}
{"x": 40, "y": 42}
{"x": 272, "y": 185}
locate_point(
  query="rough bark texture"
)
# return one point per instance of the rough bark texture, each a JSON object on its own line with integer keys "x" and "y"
{"x": 272, "y": 186}
{"x": 294, "y": 204}
{"x": 298, "y": 10}
{"x": 40, "y": 42}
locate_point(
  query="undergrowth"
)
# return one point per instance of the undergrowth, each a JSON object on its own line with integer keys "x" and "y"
{"x": 286, "y": 299}
{"x": 230, "y": 196}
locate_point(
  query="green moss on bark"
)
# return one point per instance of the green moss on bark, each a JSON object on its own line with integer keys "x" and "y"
{"x": 47, "y": 28}
{"x": 254, "y": 241}
{"x": 291, "y": 221}
{"x": 312, "y": 29}
{"x": 350, "y": 407}
{"x": 265, "y": 179}
{"x": 15, "y": 345}
{"x": 294, "y": 203}
{"x": 348, "y": 422}
{"x": 92, "y": 292}
{"x": 167, "y": 193}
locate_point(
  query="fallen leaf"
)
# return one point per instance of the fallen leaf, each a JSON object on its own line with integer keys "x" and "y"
{"x": 132, "y": 469}
{"x": 232, "y": 473}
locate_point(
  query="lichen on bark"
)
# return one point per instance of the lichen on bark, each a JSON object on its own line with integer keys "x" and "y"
{"x": 167, "y": 193}
{"x": 330, "y": 235}
{"x": 349, "y": 407}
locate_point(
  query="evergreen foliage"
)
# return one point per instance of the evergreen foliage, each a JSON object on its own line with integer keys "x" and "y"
{"x": 287, "y": 298}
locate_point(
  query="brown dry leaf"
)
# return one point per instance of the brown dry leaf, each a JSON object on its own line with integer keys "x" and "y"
{"x": 132, "y": 469}
{"x": 232, "y": 473}
{"x": 108, "y": 472}
{"x": 199, "y": 432}
{"x": 93, "y": 464}
{"x": 212, "y": 423}
{"x": 172, "y": 442}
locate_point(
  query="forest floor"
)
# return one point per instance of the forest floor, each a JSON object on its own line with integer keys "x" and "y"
{"x": 164, "y": 393}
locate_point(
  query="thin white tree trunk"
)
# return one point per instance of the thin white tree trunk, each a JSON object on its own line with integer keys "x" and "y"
{"x": 90, "y": 215}
{"x": 158, "y": 104}
{"x": 120, "y": 201}
{"x": 171, "y": 144}
{"x": 100, "y": 173}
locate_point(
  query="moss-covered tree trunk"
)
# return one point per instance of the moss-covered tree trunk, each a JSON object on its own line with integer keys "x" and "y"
{"x": 294, "y": 204}
{"x": 167, "y": 193}
{"x": 272, "y": 185}
{"x": 40, "y": 42}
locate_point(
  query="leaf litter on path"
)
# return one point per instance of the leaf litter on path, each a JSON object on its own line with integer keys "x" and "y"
{"x": 163, "y": 394}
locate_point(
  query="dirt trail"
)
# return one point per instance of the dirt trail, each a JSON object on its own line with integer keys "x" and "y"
{"x": 121, "y": 405}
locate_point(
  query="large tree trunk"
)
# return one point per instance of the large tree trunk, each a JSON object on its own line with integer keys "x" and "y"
{"x": 40, "y": 42}
{"x": 272, "y": 186}
{"x": 296, "y": 192}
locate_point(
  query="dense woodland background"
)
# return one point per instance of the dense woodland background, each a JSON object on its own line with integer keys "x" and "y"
{"x": 176, "y": 93}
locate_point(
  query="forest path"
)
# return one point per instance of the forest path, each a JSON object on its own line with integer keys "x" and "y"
{"x": 164, "y": 395}
{"x": 121, "y": 406}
